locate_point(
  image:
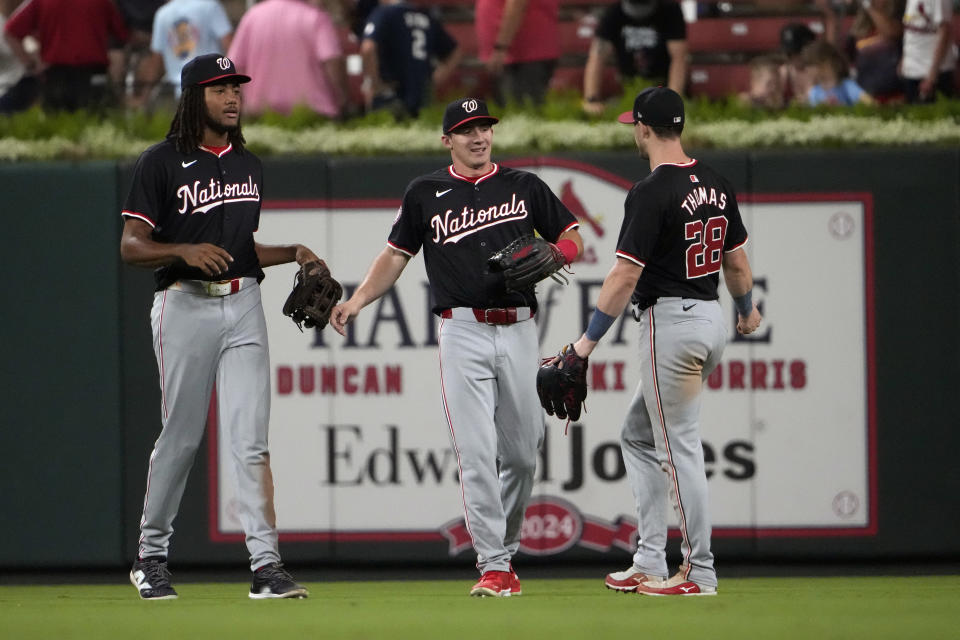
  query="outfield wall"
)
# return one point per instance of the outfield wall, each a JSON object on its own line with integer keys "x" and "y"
{"x": 829, "y": 434}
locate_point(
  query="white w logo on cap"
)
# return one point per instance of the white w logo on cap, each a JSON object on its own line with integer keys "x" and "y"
{"x": 224, "y": 63}
{"x": 469, "y": 106}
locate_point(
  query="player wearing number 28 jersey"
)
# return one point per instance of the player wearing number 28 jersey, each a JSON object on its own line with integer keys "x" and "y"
{"x": 681, "y": 226}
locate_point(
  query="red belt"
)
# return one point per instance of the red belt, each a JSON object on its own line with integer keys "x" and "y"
{"x": 508, "y": 315}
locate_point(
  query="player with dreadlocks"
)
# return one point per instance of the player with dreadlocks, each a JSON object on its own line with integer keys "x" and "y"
{"x": 191, "y": 213}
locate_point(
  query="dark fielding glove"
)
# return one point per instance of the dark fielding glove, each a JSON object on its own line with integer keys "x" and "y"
{"x": 562, "y": 384}
{"x": 526, "y": 261}
{"x": 314, "y": 295}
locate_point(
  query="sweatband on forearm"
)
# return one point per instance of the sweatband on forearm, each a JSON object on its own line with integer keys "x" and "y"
{"x": 744, "y": 303}
{"x": 600, "y": 323}
{"x": 568, "y": 248}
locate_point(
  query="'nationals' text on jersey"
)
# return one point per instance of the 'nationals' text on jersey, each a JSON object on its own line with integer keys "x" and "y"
{"x": 461, "y": 221}
{"x": 203, "y": 196}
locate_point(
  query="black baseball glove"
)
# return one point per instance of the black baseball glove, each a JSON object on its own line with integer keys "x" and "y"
{"x": 314, "y": 295}
{"x": 562, "y": 383}
{"x": 526, "y": 261}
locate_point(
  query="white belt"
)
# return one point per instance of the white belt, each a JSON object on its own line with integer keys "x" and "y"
{"x": 215, "y": 289}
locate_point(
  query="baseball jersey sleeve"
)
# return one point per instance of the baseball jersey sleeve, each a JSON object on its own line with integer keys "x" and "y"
{"x": 406, "y": 235}
{"x": 642, "y": 222}
{"x": 147, "y": 192}
{"x": 550, "y": 216}
{"x": 736, "y": 235}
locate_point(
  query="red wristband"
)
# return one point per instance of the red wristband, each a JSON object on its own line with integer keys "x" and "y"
{"x": 568, "y": 248}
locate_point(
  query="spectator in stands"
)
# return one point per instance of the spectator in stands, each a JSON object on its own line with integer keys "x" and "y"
{"x": 182, "y": 30}
{"x": 405, "y": 51}
{"x": 647, "y": 38}
{"x": 830, "y": 79}
{"x": 74, "y": 38}
{"x": 135, "y": 60}
{"x": 766, "y": 83}
{"x": 519, "y": 42}
{"x": 18, "y": 89}
{"x": 929, "y": 53}
{"x": 292, "y": 51}
{"x": 874, "y": 45}
{"x": 794, "y": 37}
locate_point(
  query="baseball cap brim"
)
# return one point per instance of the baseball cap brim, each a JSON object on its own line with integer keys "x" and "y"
{"x": 226, "y": 78}
{"x": 626, "y": 117}
{"x": 489, "y": 119}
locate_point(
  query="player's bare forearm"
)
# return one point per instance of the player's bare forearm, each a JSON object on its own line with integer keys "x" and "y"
{"x": 513, "y": 13}
{"x": 614, "y": 296}
{"x": 593, "y": 75}
{"x": 384, "y": 271}
{"x": 448, "y": 66}
{"x": 138, "y": 248}
{"x": 274, "y": 254}
{"x": 736, "y": 272}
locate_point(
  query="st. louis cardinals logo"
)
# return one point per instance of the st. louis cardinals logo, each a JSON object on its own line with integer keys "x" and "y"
{"x": 449, "y": 227}
{"x": 469, "y": 106}
{"x": 214, "y": 193}
{"x": 224, "y": 63}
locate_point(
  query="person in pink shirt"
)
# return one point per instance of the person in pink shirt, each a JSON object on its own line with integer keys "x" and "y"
{"x": 519, "y": 43}
{"x": 292, "y": 50}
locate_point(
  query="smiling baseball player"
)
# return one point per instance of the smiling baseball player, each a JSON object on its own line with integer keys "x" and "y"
{"x": 460, "y": 216}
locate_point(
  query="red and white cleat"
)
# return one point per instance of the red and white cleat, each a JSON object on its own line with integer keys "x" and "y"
{"x": 675, "y": 586}
{"x": 627, "y": 581}
{"x": 499, "y": 584}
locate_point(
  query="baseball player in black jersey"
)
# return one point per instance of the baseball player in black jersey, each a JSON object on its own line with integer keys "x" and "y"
{"x": 489, "y": 354}
{"x": 191, "y": 212}
{"x": 681, "y": 226}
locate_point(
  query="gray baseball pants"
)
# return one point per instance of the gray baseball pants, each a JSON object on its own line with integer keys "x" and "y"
{"x": 661, "y": 433}
{"x": 199, "y": 340}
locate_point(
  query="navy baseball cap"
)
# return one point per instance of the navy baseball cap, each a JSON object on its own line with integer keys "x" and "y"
{"x": 460, "y": 112}
{"x": 655, "y": 107}
{"x": 208, "y": 69}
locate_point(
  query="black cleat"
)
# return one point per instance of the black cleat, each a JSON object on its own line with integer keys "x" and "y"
{"x": 273, "y": 581}
{"x": 152, "y": 579}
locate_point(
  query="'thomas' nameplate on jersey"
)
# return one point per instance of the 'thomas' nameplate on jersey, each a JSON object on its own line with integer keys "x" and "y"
{"x": 216, "y": 193}
{"x": 448, "y": 227}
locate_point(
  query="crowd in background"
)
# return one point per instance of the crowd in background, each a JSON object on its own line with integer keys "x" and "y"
{"x": 71, "y": 54}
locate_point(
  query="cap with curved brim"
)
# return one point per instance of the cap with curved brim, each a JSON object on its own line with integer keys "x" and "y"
{"x": 239, "y": 78}
{"x": 489, "y": 119}
{"x": 626, "y": 117}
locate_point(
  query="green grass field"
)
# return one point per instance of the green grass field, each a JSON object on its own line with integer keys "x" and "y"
{"x": 745, "y": 608}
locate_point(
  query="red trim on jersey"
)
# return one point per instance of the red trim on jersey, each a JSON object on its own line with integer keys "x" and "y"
{"x": 475, "y": 179}
{"x": 138, "y": 216}
{"x": 738, "y": 246}
{"x": 573, "y": 225}
{"x": 218, "y": 151}
{"x": 627, "y": 256}
{"x": 666, "y": 442}
{"x": 684, "y": 165}
{"x": 401, "y": 249}
{"x": 453, "y": 436}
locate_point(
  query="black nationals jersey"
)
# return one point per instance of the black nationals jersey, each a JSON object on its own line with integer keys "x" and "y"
{"x": 677, "y": 224}
{"x": 461, "y": 221}
{"x": 203, "y": 196}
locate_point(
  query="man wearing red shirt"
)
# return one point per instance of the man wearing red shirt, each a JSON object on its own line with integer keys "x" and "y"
{"x": 74, "y": 37}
